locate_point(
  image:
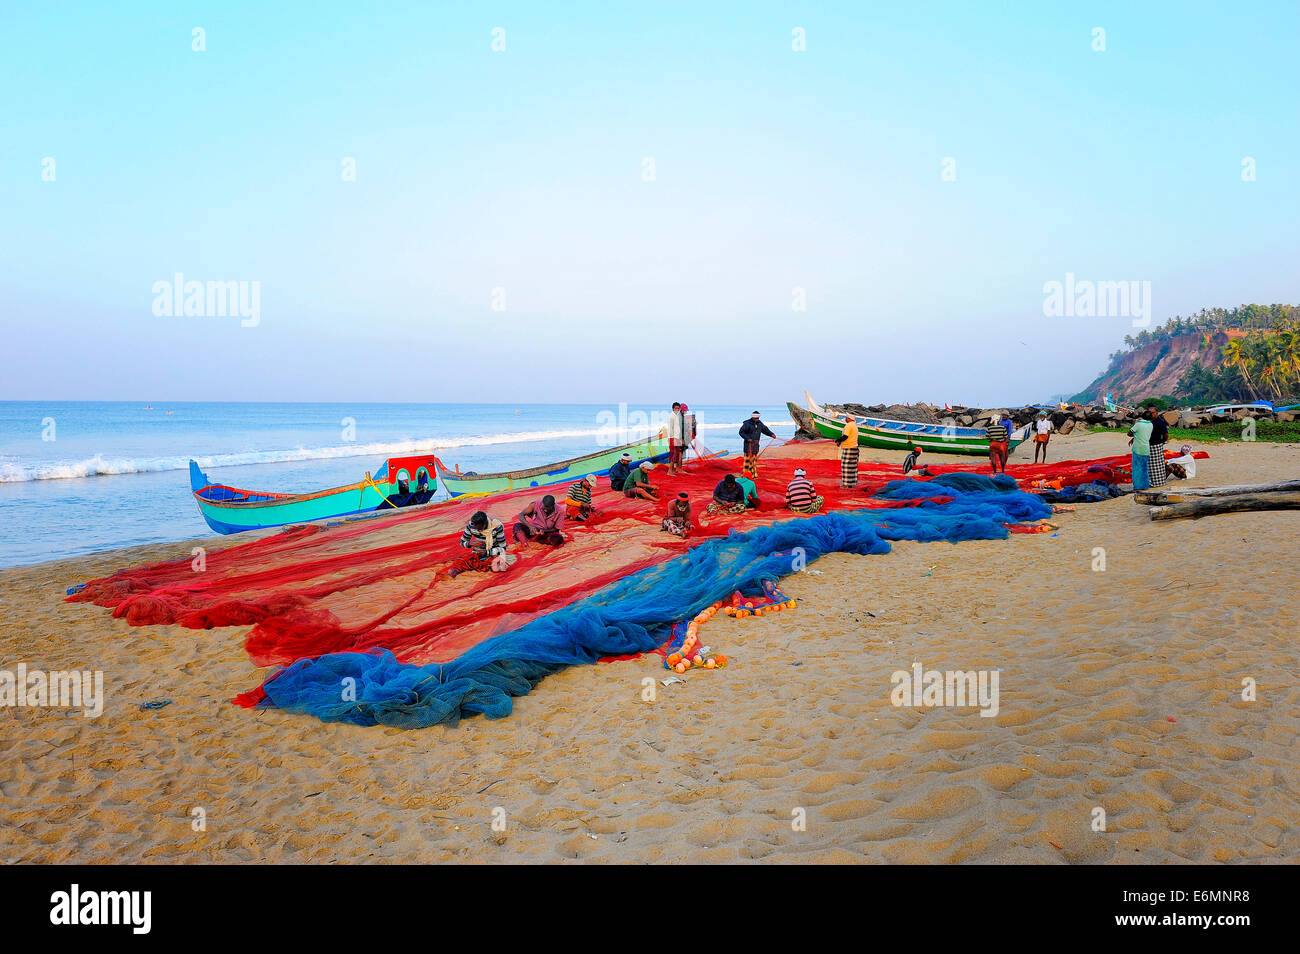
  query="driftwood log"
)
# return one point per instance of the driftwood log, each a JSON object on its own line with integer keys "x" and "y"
{"x": 1235, "y": 503}
{"x": 1161, "y": 497}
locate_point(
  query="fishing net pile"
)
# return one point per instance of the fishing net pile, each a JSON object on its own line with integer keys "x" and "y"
{"x": 372, "y": 629}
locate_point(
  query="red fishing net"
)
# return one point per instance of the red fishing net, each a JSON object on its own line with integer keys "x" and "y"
{"x": 381, "y": 581}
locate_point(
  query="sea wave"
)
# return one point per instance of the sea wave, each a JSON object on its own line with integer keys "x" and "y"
{"x": 102, "y": 465}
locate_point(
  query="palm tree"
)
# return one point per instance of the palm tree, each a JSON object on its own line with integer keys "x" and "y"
{"x": 1236, "y": 355}
{"x": 1264, "y": 347}
{"x": 1288, "y": 355}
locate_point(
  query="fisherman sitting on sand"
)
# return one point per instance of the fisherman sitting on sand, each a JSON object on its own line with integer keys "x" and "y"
{"x": 485, "y": 539}
{"x": 677, "y": 517}
{"x": 801, "y": 495}
{"x": 728, "y": 497}
{"x": 542, "y": 521}
{"x": 910, "y": 462}
{"x": 637, "y": 484}
{"x": 619, "y": 471}
{"x": 577, "y": 503}
{"x": 751, "y": 492}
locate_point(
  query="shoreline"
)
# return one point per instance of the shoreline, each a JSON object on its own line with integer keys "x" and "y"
{"x": 1093, "y": 666}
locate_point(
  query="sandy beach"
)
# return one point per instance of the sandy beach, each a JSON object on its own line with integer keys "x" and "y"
{"x": 1121, "y": 690}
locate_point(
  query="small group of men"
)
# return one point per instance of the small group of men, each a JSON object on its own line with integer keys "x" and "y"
{"x": 680, "y": 431}
{"x": 632, "y": 481}
{"x": 543, "y": 520}
{"x": 1148, "y": 437}
{"x": 733, "y": 495}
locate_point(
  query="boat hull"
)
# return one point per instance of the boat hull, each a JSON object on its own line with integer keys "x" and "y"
{"x": 903, "y": 435}
{"x": 231, "y": 510}
{"x": 599, "y": 463}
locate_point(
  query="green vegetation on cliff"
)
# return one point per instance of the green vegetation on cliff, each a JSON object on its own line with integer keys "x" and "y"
{"x": 1247, "y": 353}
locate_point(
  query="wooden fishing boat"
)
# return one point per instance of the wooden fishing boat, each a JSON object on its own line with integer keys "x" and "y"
{"x": 1259, "y": 407}
{"x": 460, "y": 482}
{"x": 902, "y": 435}
{"x": 231, "y": 510}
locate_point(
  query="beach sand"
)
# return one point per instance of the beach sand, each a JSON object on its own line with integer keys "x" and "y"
{"x": 1120, "y": 690}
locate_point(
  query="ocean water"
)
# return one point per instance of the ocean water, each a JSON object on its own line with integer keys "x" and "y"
{"x": 79, "y": 477}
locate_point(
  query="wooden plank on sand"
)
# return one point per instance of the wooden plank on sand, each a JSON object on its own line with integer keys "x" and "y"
{"x": 1209, "y": 506}
{"x": 1180, "y": 495}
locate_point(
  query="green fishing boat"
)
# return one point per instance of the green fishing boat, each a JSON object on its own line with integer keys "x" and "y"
{"x": 460, "y": 482}
{"x": 902, "y": 435}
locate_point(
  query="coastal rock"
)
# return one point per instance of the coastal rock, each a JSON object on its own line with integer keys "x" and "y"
{"x": 913, "y": 413}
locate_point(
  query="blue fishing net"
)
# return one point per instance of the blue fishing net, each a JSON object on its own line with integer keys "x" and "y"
{"x": 1083, "y": 493}
{"x": 633, "y": 615}
{"x": 956, "y": 484}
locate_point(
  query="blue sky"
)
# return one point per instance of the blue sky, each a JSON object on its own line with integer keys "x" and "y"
{"x": 522, "y": 170}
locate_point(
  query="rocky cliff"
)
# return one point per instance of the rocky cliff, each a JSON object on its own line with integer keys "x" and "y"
{"x": 1154, "y": 369}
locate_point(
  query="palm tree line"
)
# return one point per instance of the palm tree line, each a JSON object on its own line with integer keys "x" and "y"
{"x": 1261, "y": 364}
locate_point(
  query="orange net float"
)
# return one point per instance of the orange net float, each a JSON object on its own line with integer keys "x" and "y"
{"x": 771, "y": 601}
{"x": 683, "y": 651}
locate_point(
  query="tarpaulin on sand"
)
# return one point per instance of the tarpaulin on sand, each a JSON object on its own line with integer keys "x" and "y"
{"x": 380, "y": 583}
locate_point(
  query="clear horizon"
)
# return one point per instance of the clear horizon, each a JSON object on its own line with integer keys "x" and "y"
{"x": 630, "y": 204}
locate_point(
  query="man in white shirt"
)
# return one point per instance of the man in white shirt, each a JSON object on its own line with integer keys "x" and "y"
{"x": 675, "y": 430}
{"x": 1042, "y": 430}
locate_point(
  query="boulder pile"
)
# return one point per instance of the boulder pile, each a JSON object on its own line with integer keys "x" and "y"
{"x": 1064, "y": 419}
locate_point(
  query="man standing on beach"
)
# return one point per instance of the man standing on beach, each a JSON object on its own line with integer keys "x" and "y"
{"x": 751, "y": 432}
{"x": 1140, "y": 437}
{"x": 999, "y": 438}
{"x": 1156, "y": 468}
{"x": 1009, "y": 425}
{"x": 848, "y": 441}
{"x": 1042, "y": 430}
{"x": 675, "y": 429}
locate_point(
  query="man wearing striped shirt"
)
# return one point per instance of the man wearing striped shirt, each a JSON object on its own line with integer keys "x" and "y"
{"x": 800, "y": 494}
{"x": 485, "y": 539}
{"x": 999, "y": 437}
{"x": 577, "y": 503}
